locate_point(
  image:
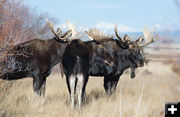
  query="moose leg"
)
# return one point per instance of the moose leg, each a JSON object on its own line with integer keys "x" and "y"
{"x": 84, "y": 88}
{"x": 39, "y": 83}
{"x": 110, "y": 84}
{"x": 80, "y": 87}
{"x": 68, "y": 85}
{"x": 82, "y": 81}
{"x": 43, "y": 88}
{"x": 71, "y": 84}
{"x": 114, "y": 83}
{"x": 107, "y": 85}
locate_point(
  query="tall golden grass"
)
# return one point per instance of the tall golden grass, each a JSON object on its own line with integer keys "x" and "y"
{"x": 160, "y": 85}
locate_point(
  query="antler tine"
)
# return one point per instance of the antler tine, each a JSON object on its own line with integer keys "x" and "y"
{"x": 148, "y": 36}
{"x": 116, "y": 32}
{"x": 51, "y": 26}
{"x": 75, "y": 34}
{"x": 96, "y": 34}
{"x": 91, "y": 38}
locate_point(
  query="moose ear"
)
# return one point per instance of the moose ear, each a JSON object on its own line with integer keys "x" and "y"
{"x": 59, "y": 32}
{"x": 126, "y": 38}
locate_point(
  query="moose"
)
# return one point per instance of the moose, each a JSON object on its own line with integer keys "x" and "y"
{"x": 44, "y": 54}
{"x": 106, "y": 57}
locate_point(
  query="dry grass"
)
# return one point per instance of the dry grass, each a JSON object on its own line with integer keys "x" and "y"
{"x": 160, "y": 85}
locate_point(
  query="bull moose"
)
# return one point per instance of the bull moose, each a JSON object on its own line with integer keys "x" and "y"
{"x": 106, "y": 57}
{"x": 44, "y": 55}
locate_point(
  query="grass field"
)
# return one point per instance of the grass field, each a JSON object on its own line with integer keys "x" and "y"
{"x": 144, "y": 96}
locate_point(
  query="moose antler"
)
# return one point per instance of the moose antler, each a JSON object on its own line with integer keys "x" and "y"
{"x": 75, "y": 34}
{"x": 126, "y": 37}
{"x": 51, "y": 26}
{"x": 96, "y": 34}
{"x": 117, "y": 34}
{"x": 140, "y": 40}
{"x": 148, "y": 36}
{"x": 90, "y": 37}
{"x": 59, "y": 32}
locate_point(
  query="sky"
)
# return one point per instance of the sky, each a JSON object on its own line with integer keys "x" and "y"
{"x": 130, "y": 15}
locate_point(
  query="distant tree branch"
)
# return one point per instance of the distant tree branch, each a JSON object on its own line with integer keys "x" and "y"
{"x": 18, "y": 23}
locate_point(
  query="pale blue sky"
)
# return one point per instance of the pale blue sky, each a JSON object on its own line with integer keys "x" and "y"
{"x": 131, "y": 15}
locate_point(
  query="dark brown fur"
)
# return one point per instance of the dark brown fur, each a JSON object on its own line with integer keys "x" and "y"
{"x": 44, "y": 54}
{"x": 108, "y": 58}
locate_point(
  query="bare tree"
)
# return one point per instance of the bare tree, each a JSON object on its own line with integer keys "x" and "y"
{"x": 18, "y": 23}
